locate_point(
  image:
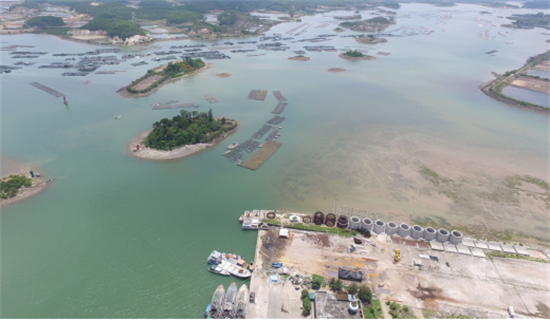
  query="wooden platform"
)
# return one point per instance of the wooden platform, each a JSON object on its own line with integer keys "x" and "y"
{"x": 261, "y": 156}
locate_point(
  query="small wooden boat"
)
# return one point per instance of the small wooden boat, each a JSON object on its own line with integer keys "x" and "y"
{"x": 241, "y": 218}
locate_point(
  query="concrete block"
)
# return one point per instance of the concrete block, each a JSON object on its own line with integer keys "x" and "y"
{"x": 508, "y": 248}
{"x": 522, "y": 251}
{"x": 478, "y": 253}
{"x": 437, "y": 246}
{"x": 481, "y": 244}
{"x": 463, "y": 250}
{"x": 494, "y": 246}
{"x": 468, "y": 242}
{"x": 450, "y": 248}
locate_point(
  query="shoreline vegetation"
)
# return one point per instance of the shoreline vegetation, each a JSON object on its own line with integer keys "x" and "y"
{"x": 494, "y": 87}
{"x": 154, "y": 79}
{"x": 354, "y": 55}
{"x": 183, "y": 135}
{"x": 20, "y": 185}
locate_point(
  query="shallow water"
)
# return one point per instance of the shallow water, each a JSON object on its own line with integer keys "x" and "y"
{"x": 116, "y": 236}
{"x": 527, "y": 95}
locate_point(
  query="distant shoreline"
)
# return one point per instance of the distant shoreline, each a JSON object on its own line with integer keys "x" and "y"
{"x": 38, "y": 184}
{"x": 181, "y": 152}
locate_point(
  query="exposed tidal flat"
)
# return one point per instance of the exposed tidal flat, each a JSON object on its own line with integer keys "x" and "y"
{"x": 114, "y": 236}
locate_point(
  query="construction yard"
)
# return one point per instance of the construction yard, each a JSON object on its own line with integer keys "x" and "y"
{"x": 459, "y": 284}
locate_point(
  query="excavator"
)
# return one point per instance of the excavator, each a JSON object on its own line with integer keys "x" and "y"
{"x": 397, "y": 258}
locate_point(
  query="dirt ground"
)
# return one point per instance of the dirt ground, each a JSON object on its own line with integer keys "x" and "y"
{"x": 460, "y": 284}
{"x": 532, "y": 84}
{"x": 145, "y": 83}
{"x": 544, "y": 66}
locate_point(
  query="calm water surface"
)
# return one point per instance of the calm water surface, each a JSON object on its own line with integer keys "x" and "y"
{"x": 115, "y": 236}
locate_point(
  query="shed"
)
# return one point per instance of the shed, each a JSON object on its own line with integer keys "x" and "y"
{"x": 283, "y": 233}
{"x": 312, "y": 296}
{"x": 274, "y": 278}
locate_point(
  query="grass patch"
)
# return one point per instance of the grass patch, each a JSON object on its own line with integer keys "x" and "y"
{"x": 433, "y": 177}
{"x": 373, "y": 311}
{"x": 398, "y": 311}
{"x": 300, "y": 226}
{"x": 492, "y": 254}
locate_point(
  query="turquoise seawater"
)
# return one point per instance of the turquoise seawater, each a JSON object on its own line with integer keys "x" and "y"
{"x": 116, "y": 236}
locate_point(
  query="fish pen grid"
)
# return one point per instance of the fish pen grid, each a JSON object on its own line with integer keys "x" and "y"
{"x": 280, "y": 108}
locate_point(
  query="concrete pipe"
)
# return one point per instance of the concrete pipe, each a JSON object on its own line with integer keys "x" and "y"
{"x": 391, "y": 228}
{"x": 355, "y": 223}
{"x": 342, "y": 222}
{"x": 456, "y": 237}
{"x": 416, "y": 232}
{"x": 404, "y": 230}
{"x": 367, "y": 224}
{"x": 429, "y": 234}
{"x": 379, "y": 226}
{"x": 442, "y": 235}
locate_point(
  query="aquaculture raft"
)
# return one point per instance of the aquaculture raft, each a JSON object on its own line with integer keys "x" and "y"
{"x": 210, "y": 98}
{"x": 279, "y": 95}
{"x": 48, "y": 90}
{"x": 280, "y": 108}
{"x": 261, "y": 156}
{"x": 257, "y": 94}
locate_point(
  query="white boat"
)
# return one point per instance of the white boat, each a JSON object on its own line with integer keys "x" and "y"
{"x": 232, "y": 146}
{"x": 230, "y": 263}
{"x": 118, "y": 117}
{"x": 217, "y": 269}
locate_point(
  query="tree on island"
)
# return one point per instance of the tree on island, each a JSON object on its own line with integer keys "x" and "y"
{"x": 185, "y": 128}
{"x": 354, "y": 54}
{"x": 9, "y": 186}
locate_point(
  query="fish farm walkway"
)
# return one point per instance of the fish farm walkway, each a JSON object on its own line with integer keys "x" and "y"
{"x": 261, "y": 156}
{"x": 48, "y": 90}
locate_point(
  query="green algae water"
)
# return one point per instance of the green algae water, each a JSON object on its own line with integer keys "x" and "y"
{"x": 119, "y": 237}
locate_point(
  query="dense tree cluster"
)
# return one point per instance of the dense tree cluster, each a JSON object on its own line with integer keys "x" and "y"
{"x": 44, "y": 22}
{"x": 183, "y": 129}
{"x": 9, "y": 186}
{"x": 354, "y": 54}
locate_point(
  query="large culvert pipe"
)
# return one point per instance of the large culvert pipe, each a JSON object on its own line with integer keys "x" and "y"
{"x": 318, "y": 218}
{"x": 342, "y": 222}
{"x": 416, "y": 232}
{"x": 456, "y": 237}
{"x": 429, "y": 234}
{"x": 379, "y": 226}
{"x": 367, "y": 224}
{"x": 442, "y": 235}
{"x": 404, "y": 230}
{"x": 391, "y": 228}
{"x": 355, "y": 223}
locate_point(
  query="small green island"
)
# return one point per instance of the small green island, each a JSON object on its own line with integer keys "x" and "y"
{"x": 47, "y": 24}
{"x": 529, "y": 21}
{"x": 355, "y": 55}
{"x": 182, "y": 135}
{"x": 376, "y": 24}
{"x": 11, "y": 185}
{"x": 155, "y": 78}
{"x": 370, "y": 39}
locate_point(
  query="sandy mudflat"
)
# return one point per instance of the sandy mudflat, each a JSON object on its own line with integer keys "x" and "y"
{"x": 299, "y": 58}
{"x": 152, "y": 154}
{"x": 38, "y": 184}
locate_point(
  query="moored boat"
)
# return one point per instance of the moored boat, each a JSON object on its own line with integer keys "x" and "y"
{"x": 218, "y": 270}
{"x": 230, "y": 300}
{"x": 216, "y": 306}
{"x": 240, "y": 309}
